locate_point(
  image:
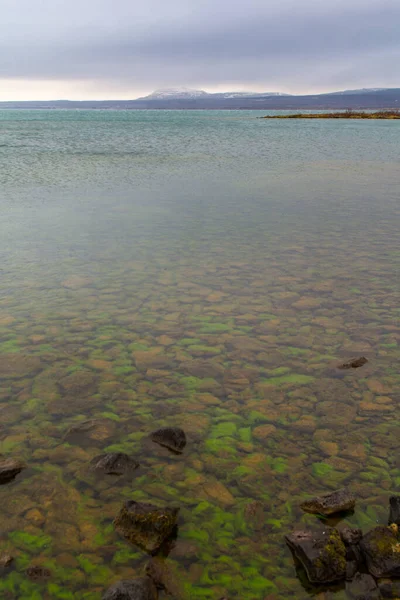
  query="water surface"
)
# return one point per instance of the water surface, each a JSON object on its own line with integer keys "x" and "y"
{"x": 201, "y": 269}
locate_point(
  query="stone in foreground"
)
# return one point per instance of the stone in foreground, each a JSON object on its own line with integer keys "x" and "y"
{"x": 114, "y": 463}
{"x": 322, "y": 554}
{"x": 172, "y": 438}
{"x": 145, "y": 525}
{"x": 354, "y": 559}
{"x": 394, "y": 515}
{"x": 354, "y": 363}
{"x": 141, "y": 588}
{"x": 9, "y": 468}
{"x": 363, "y": 587}
{"x": 381, "y": 550}
{"x": 329, "y": 504}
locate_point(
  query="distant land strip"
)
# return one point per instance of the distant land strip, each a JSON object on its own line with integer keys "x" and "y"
{"x": 348, "y": 114}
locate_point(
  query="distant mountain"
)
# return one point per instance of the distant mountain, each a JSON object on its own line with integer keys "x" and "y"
{"x": 175, "y": 94}
{"x": 352, "y": 99}
{"x": 189, "y": 94}
{"x": 360, "y": 91}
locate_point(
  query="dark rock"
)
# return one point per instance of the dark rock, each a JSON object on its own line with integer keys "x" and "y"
{"x": 322, "y": 554}
{"x": 381, "y": 551}
{"x": 363, "y": 587}
{"x": 9, "y": 468}
{"x": 354, "y": 557}
{"x": 37, "y": 573}
{"x": 172, "y": 438}
{"x": 141, "y": 588}
{"x": 329, "y": 504}
{"x": 394, "y": 515}
{"x": 351, "y": 536}
{"x": 146, "y": 525}
{"x": 5, "y": 560}
{"x": 389, "y": 589}
{"x": 114, "y": 463}
{"x": 354, "y": 363}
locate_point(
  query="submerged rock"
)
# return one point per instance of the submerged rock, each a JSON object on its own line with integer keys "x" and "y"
{"x": 394, "y": 515}
{"x": 9, "y": 468}
{"x": 329, "y": 504}
{"x": 166, "y": 577}
{"x": 37, "y": 573}
{"x": 381, "y": 550}
{"x": 141, "y": 588}
{"x": 114, "y": 463}
{"x": 5, "y": 560}
{"x": 146, "y": 525}
{"x": 322, "y": 554}
{"x": 172, "y": 438}
{"x": 354, "y": 363}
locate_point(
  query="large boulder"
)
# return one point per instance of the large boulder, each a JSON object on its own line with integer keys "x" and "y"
{"x": 172, "y": 438}
{"x": 141, "y": 588}
{"x": 381, "y": 550}
{"x": 114, "y": 463}
{"x": 9, "y": 468}
{"x": 145, "y": 525}
{"x": 322, "y": 554}
{"x": 329, "y": 504}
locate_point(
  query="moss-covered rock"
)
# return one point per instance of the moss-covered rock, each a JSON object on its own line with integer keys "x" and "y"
{"x": 322, "y": 554}
{"x": 146, "y": 525}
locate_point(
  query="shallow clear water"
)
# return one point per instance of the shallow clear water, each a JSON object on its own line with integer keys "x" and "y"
{"x": 207, "y": 270}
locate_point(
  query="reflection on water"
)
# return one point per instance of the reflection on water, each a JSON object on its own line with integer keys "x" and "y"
{"x": 219, "y": 304}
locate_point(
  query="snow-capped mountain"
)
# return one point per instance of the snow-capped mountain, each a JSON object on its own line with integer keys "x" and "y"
{"x": 175, "y": 94}
{"x": 183, "y": 93}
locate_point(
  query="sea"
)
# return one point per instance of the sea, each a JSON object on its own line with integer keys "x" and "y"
{"x": 203, "y": 270}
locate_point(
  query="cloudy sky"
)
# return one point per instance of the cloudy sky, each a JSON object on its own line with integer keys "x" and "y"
{"x": 104, "y": 49}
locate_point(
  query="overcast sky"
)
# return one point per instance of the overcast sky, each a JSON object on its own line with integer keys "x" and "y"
{"x": 104, "y": 49}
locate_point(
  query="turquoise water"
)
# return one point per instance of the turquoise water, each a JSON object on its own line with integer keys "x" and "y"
{"x": 209, "y": 270}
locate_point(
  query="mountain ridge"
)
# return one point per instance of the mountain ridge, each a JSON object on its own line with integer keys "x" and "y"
{"x": 351, "y": 99}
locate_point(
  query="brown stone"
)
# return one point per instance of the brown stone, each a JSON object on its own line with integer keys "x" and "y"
{"x": 263, "y": 431}
{"x": 15, "y": 365}
{"x": 218, "y": 492}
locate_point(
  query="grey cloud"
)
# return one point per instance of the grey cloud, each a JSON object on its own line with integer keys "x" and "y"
{"x": 172, "y": 43}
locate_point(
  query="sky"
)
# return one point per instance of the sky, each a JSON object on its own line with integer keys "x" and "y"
{"x": 122, "y": 49}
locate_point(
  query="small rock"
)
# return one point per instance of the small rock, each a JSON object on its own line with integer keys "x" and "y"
{"x": 141, "y": 588}
{"x": 354, "y": 363}
{"x": 329, "y": 504}
{"x": 381, "y": 551}
{"x": 389, "y": 589}
{"x": 114, "y": 463}
{"x": 351, "y": 536}
{"x": 172, "y": 438}
{"x": 394, "y": 515}
{"x": 322, "y": 554}
{"x": 37, "y": 573}
{"x": 5, "y": 560}
{"x": 146, "y": 525}
{"x": 9, "y": 468}
{"x": 363, "y": 587}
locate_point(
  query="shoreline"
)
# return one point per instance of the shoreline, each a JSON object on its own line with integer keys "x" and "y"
{"x": 385, "y": 114}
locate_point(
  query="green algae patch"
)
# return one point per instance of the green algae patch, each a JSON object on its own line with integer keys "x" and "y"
{"x": 30, "y": 542}
{"x": 292, "y": 379}
{"x": 321, "y": 469}
{"x": 225, "y": 429}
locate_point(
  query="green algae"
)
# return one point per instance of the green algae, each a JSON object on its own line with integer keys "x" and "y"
{"x": 30, "y": 542}
{"x": 321, "y": 469}
{"x": 292, "y": 379}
